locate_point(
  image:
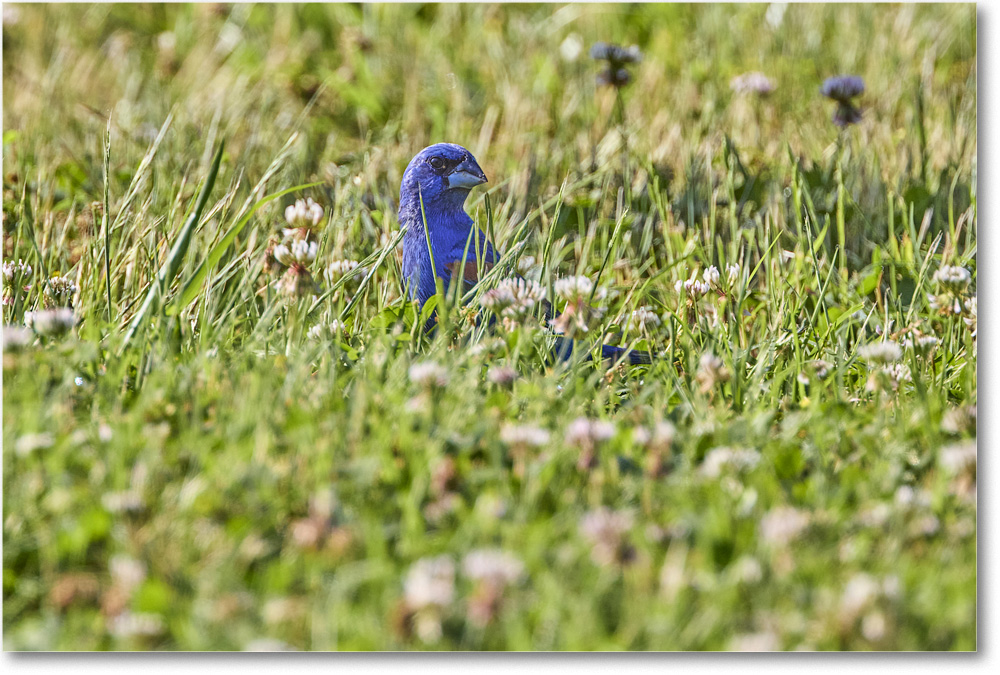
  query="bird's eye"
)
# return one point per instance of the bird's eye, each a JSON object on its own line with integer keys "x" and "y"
{"x": 437, "y": 162}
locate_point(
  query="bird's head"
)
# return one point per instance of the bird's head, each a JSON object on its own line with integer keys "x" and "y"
{"x": 442, "y": 174}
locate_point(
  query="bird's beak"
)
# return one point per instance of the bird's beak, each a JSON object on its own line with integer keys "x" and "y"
{"x": 466, "y": 176}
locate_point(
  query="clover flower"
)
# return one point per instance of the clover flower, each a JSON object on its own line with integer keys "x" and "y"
{"x": 430, "y": 582}
{"x": 321, "y": 331}
{"x": 503, "y": 376}
{"x": 781, "y": 525}
{"x": 692, "y": 287}
{"x": 720, "y": 459}
{"x": 922, "y": 345}
{"x": 952, "y": 277}
{"x": 513, "y": 299}
{"x": 299, "y": 253}
{"x": 859, "y": 593}
{"x": 302, "y": 217}
{"x": 753, "y": 82}
{"x": 428, "y": 374}
{"x": 339, "y": 268}
{"x": 126, "y": 573}
{"x": 732, "y": 273}
{"x": 711, "y": 275}
{"x": 971, "y": 310}
{"x": 492, "y": 571}
{"x": 960, "y": 420}
{"x": 578, "y": 318}
{"x": 958, "y": 457}
{"x": 571, "y": 48}
{"x": 59, "y": 291}
{"x": 605, "y": 530}
{"x": 843, "y": 89}
{"x": 661, "y": 437}
{"x": 135, "y": 624}
{"x": 492, "y": 567}
{"x": 644, "y": 319}
{"x": 15, "y": 270}
{"x": 614, "y": 73}
{"x": 16, "y": 338}
{"x": 523, "y": 435}
{"x": 766, "y": 641}
{"x": 428, "y": 588}
{"x": 711, "y": 371}
{"x": 586, "y": 433}
{"x": 574, "y": 289}
{"x": 882, "y": 352}
{"x": 51, "y": 322}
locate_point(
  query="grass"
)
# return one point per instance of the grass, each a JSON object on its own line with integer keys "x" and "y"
{"x": 230, "y": 478}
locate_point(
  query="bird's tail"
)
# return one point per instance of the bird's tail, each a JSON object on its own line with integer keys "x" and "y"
{"x": 564, "y": 347}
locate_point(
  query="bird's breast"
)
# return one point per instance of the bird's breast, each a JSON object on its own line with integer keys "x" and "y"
{"x": 470, "y": 271}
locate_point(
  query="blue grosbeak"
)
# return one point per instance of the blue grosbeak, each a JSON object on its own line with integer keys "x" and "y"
{"x": 434, "y": 188}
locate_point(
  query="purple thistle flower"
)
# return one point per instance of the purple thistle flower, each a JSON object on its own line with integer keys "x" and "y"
{"x": 615, "y": 55}
{"x": 614, "y": 73}
{"x": 843, "y": 88}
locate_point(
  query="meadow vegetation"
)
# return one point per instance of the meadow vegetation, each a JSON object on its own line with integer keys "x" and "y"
{"x": 203, "y": 450}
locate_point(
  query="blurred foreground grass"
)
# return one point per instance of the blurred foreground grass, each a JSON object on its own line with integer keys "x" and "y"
{"x": 259, "y": 471}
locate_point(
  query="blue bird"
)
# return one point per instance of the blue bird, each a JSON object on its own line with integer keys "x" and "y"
{"x": 434, "y": 188}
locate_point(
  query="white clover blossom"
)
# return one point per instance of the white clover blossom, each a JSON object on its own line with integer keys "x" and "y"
{"x": 753, "y": 82}
{"x": 782, "y": 524}
{"x": 958, "y": 457}
{"x": 51, "y": 322}
{"x": 692, "y": 287}
{"x": 13, "y": 270}
{"x": 135, "y": 624}
{"x": 304, "y": 214}
{"x": 922, "y": 345}
{"x": 711, "y": 275}
{"x": 952, "y": 277}
{"x": 523, "y": 435}
{"x": 587, "y": 433}
{"x": 430, "y": 582}
{"x": 571, "y": 48}
{"x": 661, "y": 437}
{"x": 766, "y": 641}
{"x": 501, "y": 375}
{"x": 494, "y": 567}
{"x": 574, "y": 289}
{"x": 644, "y": 318}
{"x": 711, "y": 371}
{"x": 16, "y": 338}
{"x": 127, "y": 573}
{"x": 886, "y": 351}
{"x": 513, "y": 298}
{"x": 338, "y": 268}
{"x": 428, "y": 374}
{"x": 971, "y": 309}
{"x": 720, "y": 459}
{"x": 732, "y": 273}
{"x": 898, "y": 372}
{"x": 60, "y": 289}
{"x": 859, "y": 592}
{"x": 123, "y": 502}
{"x": 320, "y": 331}
{"x": 605, "y": 529}
{"x": 299, "y": 253}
